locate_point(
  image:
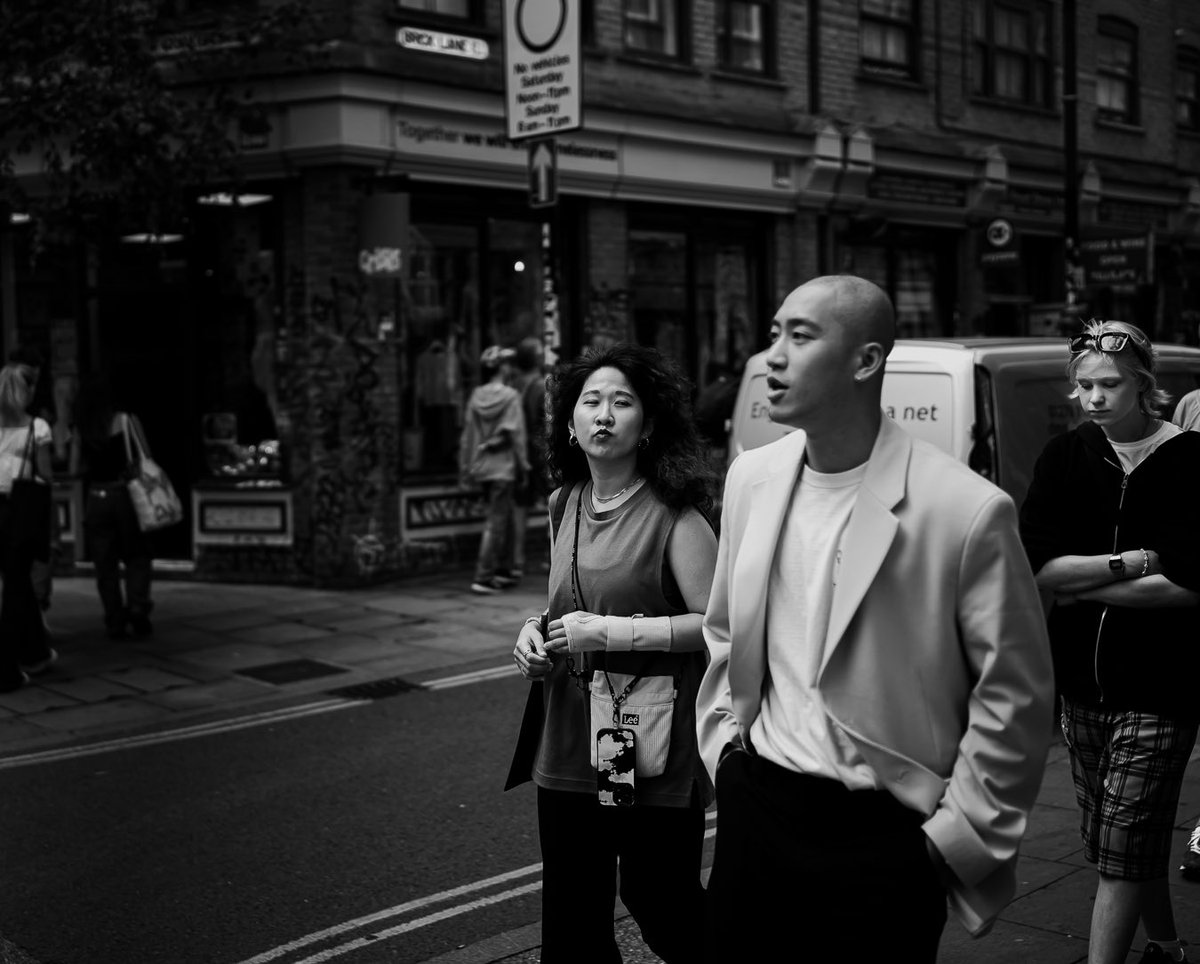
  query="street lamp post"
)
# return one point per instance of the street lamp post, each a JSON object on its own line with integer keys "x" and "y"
{"x": 1072, "y": 268}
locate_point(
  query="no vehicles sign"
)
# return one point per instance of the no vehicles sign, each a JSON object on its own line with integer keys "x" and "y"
{"x": 542, "y": 74}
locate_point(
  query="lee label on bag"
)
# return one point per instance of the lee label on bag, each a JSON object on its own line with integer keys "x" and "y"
{"x": 615, "y": 760}
{"x": 647, "y": 710}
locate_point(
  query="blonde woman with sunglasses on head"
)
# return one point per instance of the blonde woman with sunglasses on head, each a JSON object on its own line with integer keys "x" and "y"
{"x": 1111, "y": 525}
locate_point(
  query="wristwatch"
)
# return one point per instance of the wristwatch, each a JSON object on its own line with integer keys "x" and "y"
{"x": 1116, "y": 564}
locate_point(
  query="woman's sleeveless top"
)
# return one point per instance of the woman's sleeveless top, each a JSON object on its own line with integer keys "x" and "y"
{"x": 623, "y": 570}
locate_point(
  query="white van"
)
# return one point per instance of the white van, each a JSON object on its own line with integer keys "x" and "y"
{"x": 990, "y": 402}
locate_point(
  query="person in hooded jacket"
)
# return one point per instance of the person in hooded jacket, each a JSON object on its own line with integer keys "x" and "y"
{"x": 492, "y": 456}
{"x": 1111, "y": 527}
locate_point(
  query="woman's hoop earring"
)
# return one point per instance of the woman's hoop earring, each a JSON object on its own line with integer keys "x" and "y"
{"x": 644, "y": 442}
{"x": 572, "y": 440}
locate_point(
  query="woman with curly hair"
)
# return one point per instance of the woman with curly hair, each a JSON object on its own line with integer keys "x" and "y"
{"x": 609, "y": 736}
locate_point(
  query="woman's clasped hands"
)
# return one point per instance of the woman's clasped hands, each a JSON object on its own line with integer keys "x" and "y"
{"x": 534, "y": 654}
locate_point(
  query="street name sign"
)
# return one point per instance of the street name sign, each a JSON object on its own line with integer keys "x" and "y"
{"x": 542, "y": 71}
{"x": 543, "y": 173}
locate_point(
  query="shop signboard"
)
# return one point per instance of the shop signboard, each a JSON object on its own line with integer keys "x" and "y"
{"x": 542, "y": 71}
{"x": 916, "y": 189}
{"x": 432, "y": 512}
{"x": 235, "y": 517}
{"x": 1116, "y": 261}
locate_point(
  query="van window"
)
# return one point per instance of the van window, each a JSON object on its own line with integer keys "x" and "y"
{"x": 1029, "y": 411}
{"x": 921, "y": 403}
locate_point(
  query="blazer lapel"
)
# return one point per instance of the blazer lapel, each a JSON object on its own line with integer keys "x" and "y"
{"x": 770, "y": 498}
{"x": 870, "y": 531}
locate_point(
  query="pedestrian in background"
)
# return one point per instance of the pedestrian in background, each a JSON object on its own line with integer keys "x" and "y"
{"x": 40, "y": 406}
{"x": 24, "y": 454}
{"x": 100, "y": 455}
{"x": 491, "y": 455}
{"x": 530, "y": 382}
{"x": 631, "y": 563}
{"x": 1187, "y": 417}
{"x": 1111, "y": 524}
{"x": 876, "y": 711}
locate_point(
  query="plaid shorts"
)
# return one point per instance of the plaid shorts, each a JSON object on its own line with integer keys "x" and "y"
{"x": 1128, "y": 770}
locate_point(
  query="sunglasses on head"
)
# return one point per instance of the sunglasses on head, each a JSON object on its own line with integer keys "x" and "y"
{"x": 1109, "y": 342}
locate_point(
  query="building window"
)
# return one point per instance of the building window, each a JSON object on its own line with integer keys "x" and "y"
{"x": 1117, "y": 71}
{"x": 888, "y": 32}
{"x": 1012, "y": 51}
{"x": 460, "y": 9}
{"x": 1187, "y": 88}
{"x": 654, "y": 27}
{"x": 743, "y": 31}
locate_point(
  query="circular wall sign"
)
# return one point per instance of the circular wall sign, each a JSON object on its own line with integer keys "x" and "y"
{"x": 999, "y": 233}
{"x": 540, "y": 23}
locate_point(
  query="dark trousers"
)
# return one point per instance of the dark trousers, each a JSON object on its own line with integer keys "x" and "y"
{"x": 658, "y": 850}
{"x": 113, "y": 537}
{"x": 805, "y": 864}
{"x": 22, "y": 632}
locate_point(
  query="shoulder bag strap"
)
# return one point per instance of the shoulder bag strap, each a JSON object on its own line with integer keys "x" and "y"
{"x": 28, "y": 457}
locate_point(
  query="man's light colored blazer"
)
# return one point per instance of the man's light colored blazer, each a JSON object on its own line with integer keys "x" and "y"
{"x": 937, "y": 665}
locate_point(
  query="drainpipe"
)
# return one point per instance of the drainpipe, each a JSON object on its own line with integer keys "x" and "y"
{"x": 814, "y": 57}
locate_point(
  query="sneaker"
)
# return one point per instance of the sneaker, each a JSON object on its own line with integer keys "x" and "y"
{"x": 505, "y": 582}
{"x": 487, "y": 588}
{"x": 139, "y": 624}
{"x": 21, "y": 680}
{"x": 1153, "y": 954}
{"x": 1190, "y": 868}
{"x": 36, "y": 669}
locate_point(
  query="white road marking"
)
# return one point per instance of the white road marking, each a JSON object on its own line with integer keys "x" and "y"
{"x": 180, "y": 733}
{"x": 396, "y": 911}
{"x": 445, "y": 914}
{"x": 463, "y": 679}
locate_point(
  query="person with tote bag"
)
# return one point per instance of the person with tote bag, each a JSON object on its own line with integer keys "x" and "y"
{"x": 24, "y": 530}
{"x": 100, "y": 452}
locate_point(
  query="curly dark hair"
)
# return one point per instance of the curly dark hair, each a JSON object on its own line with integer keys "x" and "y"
{"x": 673, "y": 462}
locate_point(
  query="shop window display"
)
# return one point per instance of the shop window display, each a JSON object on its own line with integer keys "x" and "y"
{"x": 467, "y": 286}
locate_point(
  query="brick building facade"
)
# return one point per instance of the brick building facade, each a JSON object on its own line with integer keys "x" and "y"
{"x": 729, "y": 149}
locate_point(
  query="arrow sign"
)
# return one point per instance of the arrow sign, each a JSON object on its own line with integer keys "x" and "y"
{"x": 543, "y": 173}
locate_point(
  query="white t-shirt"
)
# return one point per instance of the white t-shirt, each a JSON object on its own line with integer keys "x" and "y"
{"x": 1132, "y": 453}
{"x": 12, "y": 450}
{"x": 793, "y": 728}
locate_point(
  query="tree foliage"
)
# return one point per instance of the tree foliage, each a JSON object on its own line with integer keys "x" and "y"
{"x": 121, "y": 107}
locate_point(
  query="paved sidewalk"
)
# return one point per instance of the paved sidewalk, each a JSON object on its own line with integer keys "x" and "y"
{"x": 219, "y": 649}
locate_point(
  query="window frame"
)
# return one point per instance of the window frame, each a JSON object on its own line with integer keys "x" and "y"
{"x": 911, "y": 27}
{"x": 473, "y": 16}
{"x": 1187, "y": 59}
{"x": 682, "y": 54}
{"x": 724, "y": 36}
{"x": 985, "y": 49}
{"x": 1116, "y": 28}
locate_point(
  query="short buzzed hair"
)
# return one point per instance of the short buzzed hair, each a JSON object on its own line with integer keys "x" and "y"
{"x": 862, "y": 305}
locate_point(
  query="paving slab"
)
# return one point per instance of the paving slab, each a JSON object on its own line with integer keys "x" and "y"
{"x": 98, "y": 716}
{"x": 231, "y": 656}
{"x": 89, "y": 689}
{"x": 147, "y": 679}
{"x": 208, "y": 695}
{"x": 33, "y": 699}
{"x": 279, "y": 634}
{"x": 348, "y": 649}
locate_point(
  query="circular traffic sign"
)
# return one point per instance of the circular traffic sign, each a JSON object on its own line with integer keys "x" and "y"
{"x": 540, "y": 23}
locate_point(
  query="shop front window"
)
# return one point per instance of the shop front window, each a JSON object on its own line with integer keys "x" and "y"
{"x": 658, "y": 290}
{"x": 467, "y": 285}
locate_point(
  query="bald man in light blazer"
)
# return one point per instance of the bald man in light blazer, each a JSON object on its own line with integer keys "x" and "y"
{"x": 878, "y": 704}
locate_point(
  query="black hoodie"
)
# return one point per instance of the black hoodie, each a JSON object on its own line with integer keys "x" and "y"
{"x": 1118, "y": 657}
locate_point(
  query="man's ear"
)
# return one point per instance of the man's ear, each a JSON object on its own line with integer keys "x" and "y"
{"x": 870, "y": 361}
